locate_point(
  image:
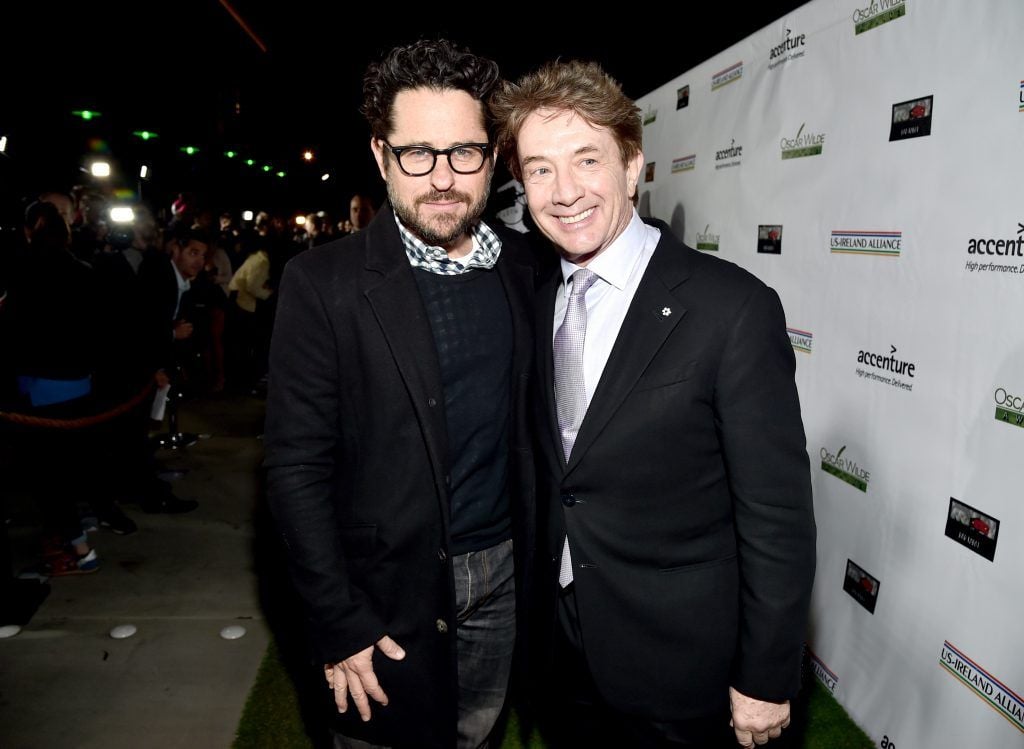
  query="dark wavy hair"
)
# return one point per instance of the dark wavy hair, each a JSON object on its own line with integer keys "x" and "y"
{"x": 437, "y": 64}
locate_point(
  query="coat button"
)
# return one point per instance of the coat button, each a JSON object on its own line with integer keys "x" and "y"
{"x": 568, "y": 499}
{"x": 431, "y": 402}
{"x": 448, "y": 480}
{"x": 442, "y": 627}
{"x": 441, "y": 554}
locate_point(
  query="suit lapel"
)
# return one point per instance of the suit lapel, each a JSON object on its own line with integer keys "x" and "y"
{"x": 653, "y": 314}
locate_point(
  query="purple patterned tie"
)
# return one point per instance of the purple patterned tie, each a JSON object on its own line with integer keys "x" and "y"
{"x": 570, "y": 389}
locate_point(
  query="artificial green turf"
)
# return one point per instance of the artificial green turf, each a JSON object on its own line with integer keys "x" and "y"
{"x": 271, "y": 718}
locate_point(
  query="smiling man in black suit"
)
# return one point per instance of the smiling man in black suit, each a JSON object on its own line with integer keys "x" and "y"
{"x": 674, "y": 488}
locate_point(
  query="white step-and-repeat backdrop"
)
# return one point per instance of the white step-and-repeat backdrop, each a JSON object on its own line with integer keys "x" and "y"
{"x": 865, "y": 158}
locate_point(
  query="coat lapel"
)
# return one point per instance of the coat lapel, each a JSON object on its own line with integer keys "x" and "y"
{"x": 653, "y": 314}
{"x": 397, "y": 305}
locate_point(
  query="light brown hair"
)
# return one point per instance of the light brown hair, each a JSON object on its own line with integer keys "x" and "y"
{"x": 579, "y": 87}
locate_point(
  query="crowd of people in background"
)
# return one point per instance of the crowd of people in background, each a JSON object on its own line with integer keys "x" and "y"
{"x": 101, "y": 315}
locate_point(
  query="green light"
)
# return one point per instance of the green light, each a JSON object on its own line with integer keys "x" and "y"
{"x": 266, "y": 167}
{"x": 190, "y": 150}
{"x": 145, "y": 134}
{"x": 230, "y": 154}
{"x": 86, "y": 114}
{"x": 250, "y": 162}
{"x": 281, "y": 174}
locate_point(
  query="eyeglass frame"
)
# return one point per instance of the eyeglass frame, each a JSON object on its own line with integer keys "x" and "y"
{"x": 435, "y": 152}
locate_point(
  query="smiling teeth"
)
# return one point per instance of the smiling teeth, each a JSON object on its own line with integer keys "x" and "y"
{"x": 578, "y": 217}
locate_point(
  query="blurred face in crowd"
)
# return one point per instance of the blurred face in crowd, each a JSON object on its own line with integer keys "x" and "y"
{"x": 360, "y": 212}
{"x": 439, "y": 207}
{"x": 578, "y": 188}
{"x": 189, "y": 257}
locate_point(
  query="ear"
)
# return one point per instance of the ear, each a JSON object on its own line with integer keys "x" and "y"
{"x": 377, "y": 146}
{"x": 633, "y": 168}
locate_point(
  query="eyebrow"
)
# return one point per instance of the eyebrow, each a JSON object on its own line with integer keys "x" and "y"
{"x": 577, "y": 152}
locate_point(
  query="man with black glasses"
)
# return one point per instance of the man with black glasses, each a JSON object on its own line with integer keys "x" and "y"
{"x": 399, "y": 467}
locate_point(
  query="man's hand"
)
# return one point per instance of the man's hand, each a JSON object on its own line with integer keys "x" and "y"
{"x": 354, "y": 677}
{"x": 182, "y": 330}
{"x": 161, "y": 379}
{"x": 755, "y": 721}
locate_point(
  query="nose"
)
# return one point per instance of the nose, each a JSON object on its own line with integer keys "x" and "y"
{"x": 442, "y": 178}
{"x": 567, "y": 189}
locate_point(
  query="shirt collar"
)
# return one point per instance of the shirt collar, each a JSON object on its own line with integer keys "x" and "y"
{"x": 183, "y": 285}
{"x": 616, "y": 263}
{"x": 483, "y": 255}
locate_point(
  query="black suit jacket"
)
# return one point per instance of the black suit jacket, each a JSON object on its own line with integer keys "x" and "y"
{"x": 687, "y": 495}
{"x": 357, "y": 462}
{"x": 158, "y": 283}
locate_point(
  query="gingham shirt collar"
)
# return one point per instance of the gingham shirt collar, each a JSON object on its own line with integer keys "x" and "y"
{"x": 486, "y": 248}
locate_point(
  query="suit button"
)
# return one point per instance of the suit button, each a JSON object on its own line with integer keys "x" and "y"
{"x": 431, "y": 402}
{"x": 442, "y": 627}
{"x": 441, "y": 554}
{"x": 568, "y": 499}
{"x": 448, "y": 480}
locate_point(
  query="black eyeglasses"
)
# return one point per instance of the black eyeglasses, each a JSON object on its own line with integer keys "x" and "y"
{"x": 416, "y": 161}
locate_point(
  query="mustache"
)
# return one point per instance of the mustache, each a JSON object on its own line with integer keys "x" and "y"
{"x": 436, "y": 195}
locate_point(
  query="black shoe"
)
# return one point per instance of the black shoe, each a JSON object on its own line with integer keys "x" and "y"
{"x": 116, "y": 521}
{"x": 169, "y": 504}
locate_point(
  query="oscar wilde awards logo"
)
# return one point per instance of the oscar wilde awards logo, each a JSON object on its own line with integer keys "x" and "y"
{"x": 886, "y": 363}
{"x": 845, "y": 469}
{"x": 650, "y": 116}
{"x": 801, "y": 340}
{"x": 1003, "y": 248}
{"x": 706, "y": 241}
{"x": 972, "y": 528}
{"x": 875, "y": 14}
{"x": 725, "y": 77}
{"x": 995, "y": 693}
{"x": 802, "y": 144}
{"x": 861, "y": 586}
{"x": 1009, "y": 407}
{"x": 823, "y": 673}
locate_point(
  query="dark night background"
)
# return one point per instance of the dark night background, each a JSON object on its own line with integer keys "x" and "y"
{"x": 189, "y": 71}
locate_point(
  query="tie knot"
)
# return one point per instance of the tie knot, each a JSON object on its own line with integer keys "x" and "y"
{"x": 582, "y": 280}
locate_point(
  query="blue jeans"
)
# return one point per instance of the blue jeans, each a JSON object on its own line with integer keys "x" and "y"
{"x": 485, "y": 605}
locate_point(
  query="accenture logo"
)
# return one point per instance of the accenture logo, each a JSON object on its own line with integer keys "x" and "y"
{"x": 788, "y": 49}
{"x": 729, "y": 157}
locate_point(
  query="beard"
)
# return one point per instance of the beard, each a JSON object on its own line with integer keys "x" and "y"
{"x": 441, "y": 230}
